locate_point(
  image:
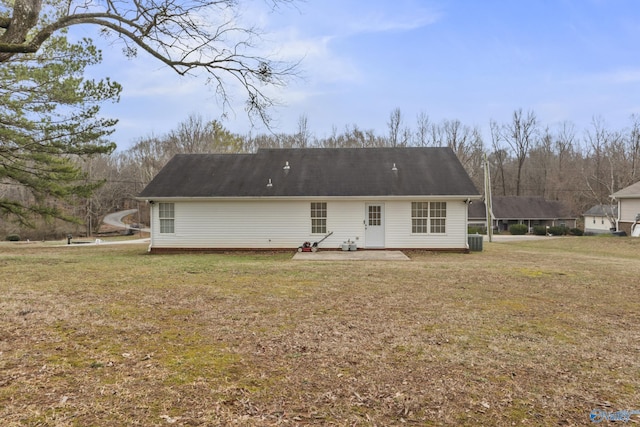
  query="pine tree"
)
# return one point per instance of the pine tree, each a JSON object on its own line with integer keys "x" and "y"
{"x": 49, "y": 119}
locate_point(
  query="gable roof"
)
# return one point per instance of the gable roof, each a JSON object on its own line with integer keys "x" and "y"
{"x": 602, "y": 210}
{"x": 517, "y": 207}
{"x": 421, "y": 171}
{"x": 630, "y": 192}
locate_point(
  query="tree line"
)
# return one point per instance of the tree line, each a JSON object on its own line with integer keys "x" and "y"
{"x": 527, "y": 158}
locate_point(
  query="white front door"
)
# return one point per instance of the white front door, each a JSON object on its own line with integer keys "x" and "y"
{"x": 374, "y": 225}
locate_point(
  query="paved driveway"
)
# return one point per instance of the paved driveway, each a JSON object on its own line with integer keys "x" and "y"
{"x": 115, "y": 220}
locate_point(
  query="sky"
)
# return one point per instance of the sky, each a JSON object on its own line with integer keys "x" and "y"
{"x": 468, "y": 60}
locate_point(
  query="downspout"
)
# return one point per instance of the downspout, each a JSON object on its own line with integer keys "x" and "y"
{"x": 467, "y": 202}
{"x": 487, "y": 199}
{"x": 151, "y": 204}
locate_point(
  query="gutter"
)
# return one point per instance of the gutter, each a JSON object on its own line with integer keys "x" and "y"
{"x": 150, "y": 199}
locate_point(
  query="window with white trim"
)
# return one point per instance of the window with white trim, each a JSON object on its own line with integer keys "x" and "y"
{"x": 438, "y": 217}
{"x": 166, "y": 213}
{"x": 318, "y": 217}
{"x": 429, "y": 217}
{"x": 419, "y": 217}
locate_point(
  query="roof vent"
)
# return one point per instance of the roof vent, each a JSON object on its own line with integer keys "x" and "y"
{"x": 269, "y": 184}
{"x": 394, "y": 168}
{"x": 286, "y": 166}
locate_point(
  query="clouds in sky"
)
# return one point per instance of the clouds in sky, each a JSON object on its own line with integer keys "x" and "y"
{"x": 476, "y": 61}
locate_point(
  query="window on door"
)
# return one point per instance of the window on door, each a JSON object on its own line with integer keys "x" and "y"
{"x": 318, "y": 217}
{"x": 375, "y": 215}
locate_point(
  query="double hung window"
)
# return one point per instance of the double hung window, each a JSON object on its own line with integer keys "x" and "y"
{"x": 166, "y": 213}
{"x": 429, "y": 217}
{"x": 318, "y": 217}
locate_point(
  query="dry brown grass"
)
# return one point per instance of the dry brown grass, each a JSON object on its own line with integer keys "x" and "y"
{"x": 536, "y": 333}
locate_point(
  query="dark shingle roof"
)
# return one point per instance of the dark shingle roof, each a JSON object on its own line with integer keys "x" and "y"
{"x": 514, "y": 207}
{"x": 602, "y": 210}
{"x": 314, "y": 172}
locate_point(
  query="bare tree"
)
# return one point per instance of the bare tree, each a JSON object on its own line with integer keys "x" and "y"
{"x": 332, "y": 141}
{"x": 187, "y": 36}
{"x": 466, "y": 142}
{"x": 600, "y": 170}
{"x": 436, "y": 136}
{"x": 354, "y": 137}
{"x": 564, "y": 143}
{"x": 475, "y": 157}
{"x": 519, "y": 135}
{"x": 422, "y": 131}
{"x": 597, "y": 141}
{"x": 303, "y": 136}
{"x": 195, "y": 135}
{"x": 633, "y": 148}
{"x": 150, "y": 155}
{"x": 538, "y": 175}
{"x": 566, "y": 181}
{"x": 499, "y": 155}
{"x": 394, "y": 124}
{"x": 192, "y": 136}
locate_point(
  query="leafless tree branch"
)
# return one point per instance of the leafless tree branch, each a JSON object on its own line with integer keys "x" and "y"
{"x": 188, "y": 36}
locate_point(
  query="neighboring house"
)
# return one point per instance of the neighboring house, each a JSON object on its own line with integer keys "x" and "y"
{"x": 532, "y": 211}
{"x": 628, "y": 200}
{"x": 600, "y": 219}
{"x": 279, "y": 198}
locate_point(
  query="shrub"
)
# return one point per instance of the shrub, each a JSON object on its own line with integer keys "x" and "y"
{"x": 518, "y": 229}
{"x": 476, "y": 230}
{"x": 540, "y": 230}
{"x": 576, "y": 232}
{"x": 13, "y": 238}
{"x": 558, "y": 231}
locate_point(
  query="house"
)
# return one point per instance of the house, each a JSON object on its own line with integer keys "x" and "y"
{"x": 628, "y": 200}
{"x": 600, "y": 219}
{"x": 532, "y": 211}
{"x": 378, "y": 198}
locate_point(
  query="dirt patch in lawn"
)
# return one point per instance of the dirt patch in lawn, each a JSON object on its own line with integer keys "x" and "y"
{"x": 527, "y": 333}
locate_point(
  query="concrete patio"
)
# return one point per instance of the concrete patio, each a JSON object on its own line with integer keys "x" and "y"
{"x": 360, "y": 255}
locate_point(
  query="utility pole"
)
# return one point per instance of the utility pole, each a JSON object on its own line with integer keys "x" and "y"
{"x": 487, "y": 198}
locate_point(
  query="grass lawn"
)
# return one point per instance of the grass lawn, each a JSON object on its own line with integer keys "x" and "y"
{"x": 523, "y": 333}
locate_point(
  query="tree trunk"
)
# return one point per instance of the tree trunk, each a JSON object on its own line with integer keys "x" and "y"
{"x": 24, "y": 18}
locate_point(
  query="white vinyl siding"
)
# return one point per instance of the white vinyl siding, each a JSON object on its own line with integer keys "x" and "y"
{"x": 629, "y": 208}
{"x": 596, "y": 224}
{"x": 399, "y": 228}
{"x": 264, "y": 224}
